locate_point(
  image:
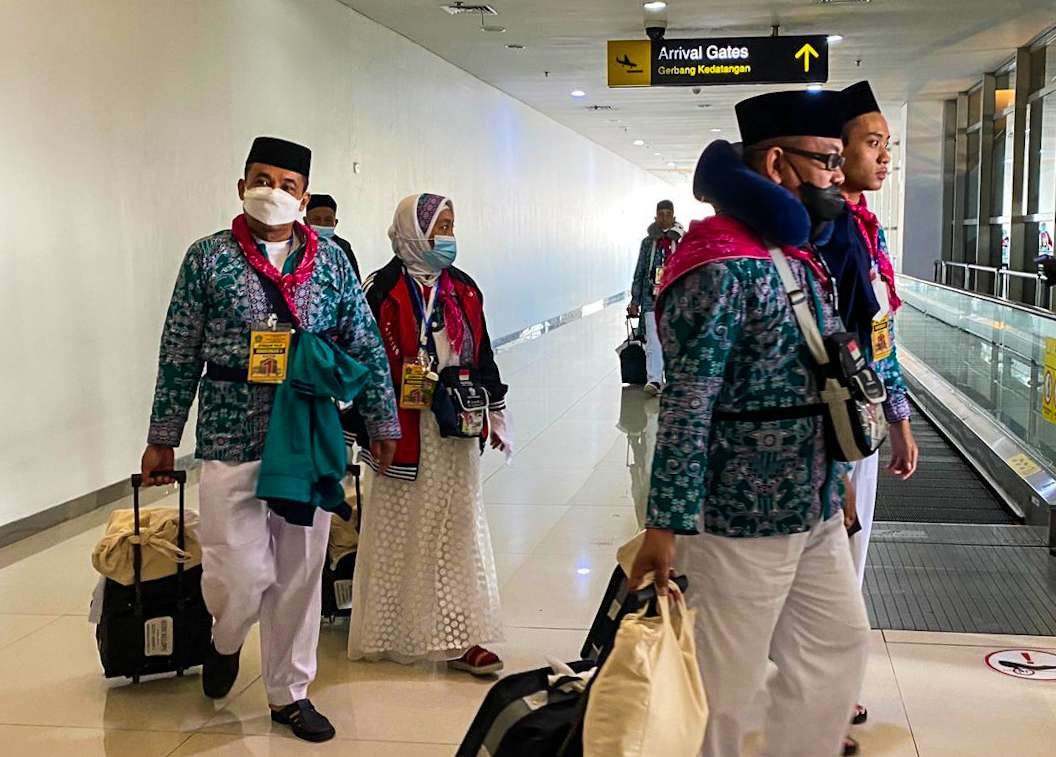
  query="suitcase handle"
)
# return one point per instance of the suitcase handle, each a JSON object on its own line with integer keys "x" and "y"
{"x": 646, "y": 596}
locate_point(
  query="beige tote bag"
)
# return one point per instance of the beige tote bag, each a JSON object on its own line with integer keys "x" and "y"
{"x": 648, "y": 700}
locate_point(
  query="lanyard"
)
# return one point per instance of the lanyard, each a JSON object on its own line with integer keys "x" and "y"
{"x": 424, "y": 313}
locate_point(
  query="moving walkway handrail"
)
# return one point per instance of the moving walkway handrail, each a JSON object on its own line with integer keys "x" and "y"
{"x": 1002, "y": 279}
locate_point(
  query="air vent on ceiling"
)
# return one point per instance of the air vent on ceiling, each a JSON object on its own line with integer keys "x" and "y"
{"x": 601, "y": 107}
{"x": 456, "y": 9}
{"x": 841, "y": 2}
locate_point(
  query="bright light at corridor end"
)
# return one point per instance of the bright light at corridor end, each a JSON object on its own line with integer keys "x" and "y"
{"x": 655, "y": 5}
{"x": 639, "y": 142}
{"x": 578, "y": 93}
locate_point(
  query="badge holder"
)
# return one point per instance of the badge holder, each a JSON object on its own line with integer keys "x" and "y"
{"x": 418, "y": 383}
{"x": 269, "y": 352}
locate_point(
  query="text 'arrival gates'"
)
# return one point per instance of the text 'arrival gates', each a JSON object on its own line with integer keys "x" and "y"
{"x": 720, "y": 60}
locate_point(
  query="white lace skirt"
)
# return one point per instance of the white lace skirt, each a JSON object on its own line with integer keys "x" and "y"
{"x": 425, "y": 586}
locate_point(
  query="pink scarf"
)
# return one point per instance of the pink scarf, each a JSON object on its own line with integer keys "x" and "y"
{"x": 869, "y": 225}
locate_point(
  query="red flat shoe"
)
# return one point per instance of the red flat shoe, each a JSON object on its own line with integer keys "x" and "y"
{"x": 477, "y": 661}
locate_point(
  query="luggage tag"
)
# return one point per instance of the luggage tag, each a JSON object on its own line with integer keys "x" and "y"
{"x": 418, "y": 383}
{"x": 269, "y": 352}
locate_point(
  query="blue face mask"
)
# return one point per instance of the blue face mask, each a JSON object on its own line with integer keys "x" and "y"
{"x": 326, "y": 232}
{"x": 443, "y": 253}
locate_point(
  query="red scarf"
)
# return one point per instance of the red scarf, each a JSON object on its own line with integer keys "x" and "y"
{"x": 289, "y": 282}
{"x": 723, "y": 237}
{"x": 869, "y": 225}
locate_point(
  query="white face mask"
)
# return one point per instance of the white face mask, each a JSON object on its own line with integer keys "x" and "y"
{"x": 272, "y": 207}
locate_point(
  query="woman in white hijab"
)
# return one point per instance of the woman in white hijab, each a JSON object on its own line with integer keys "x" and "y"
{"x": 425, "y": 586}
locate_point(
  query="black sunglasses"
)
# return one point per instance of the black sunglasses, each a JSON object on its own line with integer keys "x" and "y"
{"x": 831, "y": 160}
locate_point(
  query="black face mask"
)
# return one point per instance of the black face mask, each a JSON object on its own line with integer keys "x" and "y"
{"x": 823, "y": 205}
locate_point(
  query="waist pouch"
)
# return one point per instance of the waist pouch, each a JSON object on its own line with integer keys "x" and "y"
{"x": 460, "y": 404}
{"x": 852, "y": 394}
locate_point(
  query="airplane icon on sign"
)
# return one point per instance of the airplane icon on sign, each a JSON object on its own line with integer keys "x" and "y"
{"x": 626, "y": 61}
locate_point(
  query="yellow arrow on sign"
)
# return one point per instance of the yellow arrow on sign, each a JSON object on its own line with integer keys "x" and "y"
{"x": 805, "y": 52}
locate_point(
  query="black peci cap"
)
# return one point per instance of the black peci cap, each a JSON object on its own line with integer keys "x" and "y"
{"x": 858, "y": 99}
{"x": 321, "y": 201}
{"x": 281, "y": 154}
{"x": 790, "y": 114}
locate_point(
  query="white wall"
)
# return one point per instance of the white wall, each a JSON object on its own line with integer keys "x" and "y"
{"x": 125, "y": 127}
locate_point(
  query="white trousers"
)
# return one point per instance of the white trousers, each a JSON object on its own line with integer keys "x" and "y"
{"x": 654, "y": 353}
{"x": 791, "y": 599}
{"x": 256, "y": 566}
{"x": 864, "y": 479}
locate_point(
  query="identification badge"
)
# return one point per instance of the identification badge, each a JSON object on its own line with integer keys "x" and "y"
{"x": 882, "y": 347}
{"x": 269, "y": 353}
{"x": 416, "y": 386}
{"x": 658, "y": 279}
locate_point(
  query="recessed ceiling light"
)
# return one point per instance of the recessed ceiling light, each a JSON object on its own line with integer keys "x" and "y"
{"x": 578, "y": 93}
{"x": 716, "y": 131}
{"x": 835, "y": 39}
{"x": 814, "y": 88}
{"x": 671, "y": 165}
{"x": 656, "y": 155}
{"x": 514, "y": 46}
{"x": 654, "y": 5}
{"x": 639, "y": 142}
{"x": 496, "y": 29}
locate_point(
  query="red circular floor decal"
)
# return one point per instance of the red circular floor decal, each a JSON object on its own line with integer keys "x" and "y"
{"x": 1031, "y": 664}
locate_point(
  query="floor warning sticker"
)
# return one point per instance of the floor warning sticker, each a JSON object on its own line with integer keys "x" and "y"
{"x": 1034, "y": 664}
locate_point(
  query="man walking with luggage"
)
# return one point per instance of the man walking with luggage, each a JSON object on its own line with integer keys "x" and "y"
{"x": 235, "y": 288}
{"x": 659, "y": 244}
{"x": 742, "y": 470}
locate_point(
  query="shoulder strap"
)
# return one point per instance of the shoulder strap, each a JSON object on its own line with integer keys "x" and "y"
{"x": 275, "y": 299}
{"x": 797, "y": 298}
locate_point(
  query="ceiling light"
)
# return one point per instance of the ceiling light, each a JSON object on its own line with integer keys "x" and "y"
{"x": 671, "y": 165}
{"x": 578, "y": 93}
{"x": 656, "y": 155}
{"x": 716, "y": 131}
{"x": 497, "y": 29}
{"x": 834, "y": 39}
{"x": 514, "y": 47}
{"x": 655, "y": 5}
{"x": 639, "y": 142}
{"x": 814, "y": 88}
{"x": 460, "y": 8}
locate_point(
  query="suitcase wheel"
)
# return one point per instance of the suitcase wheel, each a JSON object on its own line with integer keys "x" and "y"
{"x": 179, "y": 673}
{"x": 135, "y": 679}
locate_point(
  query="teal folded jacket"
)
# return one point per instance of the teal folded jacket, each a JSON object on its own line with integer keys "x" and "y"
{"x": 304, "y": 451}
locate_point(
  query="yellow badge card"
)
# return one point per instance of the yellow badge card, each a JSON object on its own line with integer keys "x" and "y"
{"x": 269, "y": 353}
{"x": 416, "y": 386}
{"x": 882, "y": 347}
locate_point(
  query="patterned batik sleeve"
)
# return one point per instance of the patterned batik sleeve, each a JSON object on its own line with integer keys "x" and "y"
{"x": 700, "y": 322}
{"x": 180, "y": 357}
{"x": 638, "y": 283}
{"x": 897, "y": 407}
{"x": 360, "y": 338}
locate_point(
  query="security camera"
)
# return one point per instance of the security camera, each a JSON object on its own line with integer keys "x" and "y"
{"x": 655, "y": 29}
{"x": 697, "y": 90}
{"x": 655, "y": 20}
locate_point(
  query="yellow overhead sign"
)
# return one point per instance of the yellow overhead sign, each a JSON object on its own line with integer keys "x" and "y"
{"x": 630, "y": 63}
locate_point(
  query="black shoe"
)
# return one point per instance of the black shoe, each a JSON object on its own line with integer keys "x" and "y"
{"x": 307, "y": 722}
{"x": 860, "y": 715}
{"x": 219, "y": 673}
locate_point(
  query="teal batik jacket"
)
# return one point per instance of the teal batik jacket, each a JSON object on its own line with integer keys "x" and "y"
{"x": 217, "y": 301}
{"x": 731, "y": 344}
{"x": 897, "y": 407}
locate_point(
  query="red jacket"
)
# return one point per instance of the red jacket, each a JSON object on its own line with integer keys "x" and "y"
{"x": 390, "y": 301}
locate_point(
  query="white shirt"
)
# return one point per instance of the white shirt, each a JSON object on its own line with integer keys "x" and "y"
{"x": 277, "y": 251}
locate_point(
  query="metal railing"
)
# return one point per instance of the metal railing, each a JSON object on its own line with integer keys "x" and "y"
{"x": 966, "y": 276}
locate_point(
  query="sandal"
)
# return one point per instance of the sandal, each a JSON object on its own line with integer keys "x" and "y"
{"x": 477, "y": 661}
{"x": 850, "y": 747}
{"x": 860, "y": 715}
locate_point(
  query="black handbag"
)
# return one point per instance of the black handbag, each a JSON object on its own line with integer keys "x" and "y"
{"x": 460, "y": 404}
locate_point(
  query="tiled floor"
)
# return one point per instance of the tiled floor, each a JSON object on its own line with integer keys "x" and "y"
{"x": 557, "y": 515}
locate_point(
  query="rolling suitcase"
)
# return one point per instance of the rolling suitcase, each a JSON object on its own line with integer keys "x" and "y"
{"x": 337, "y": 579}
{"x": 158, "y": 626}
{"x": 632, "y": 357}
{"x": 539, "y": 713}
